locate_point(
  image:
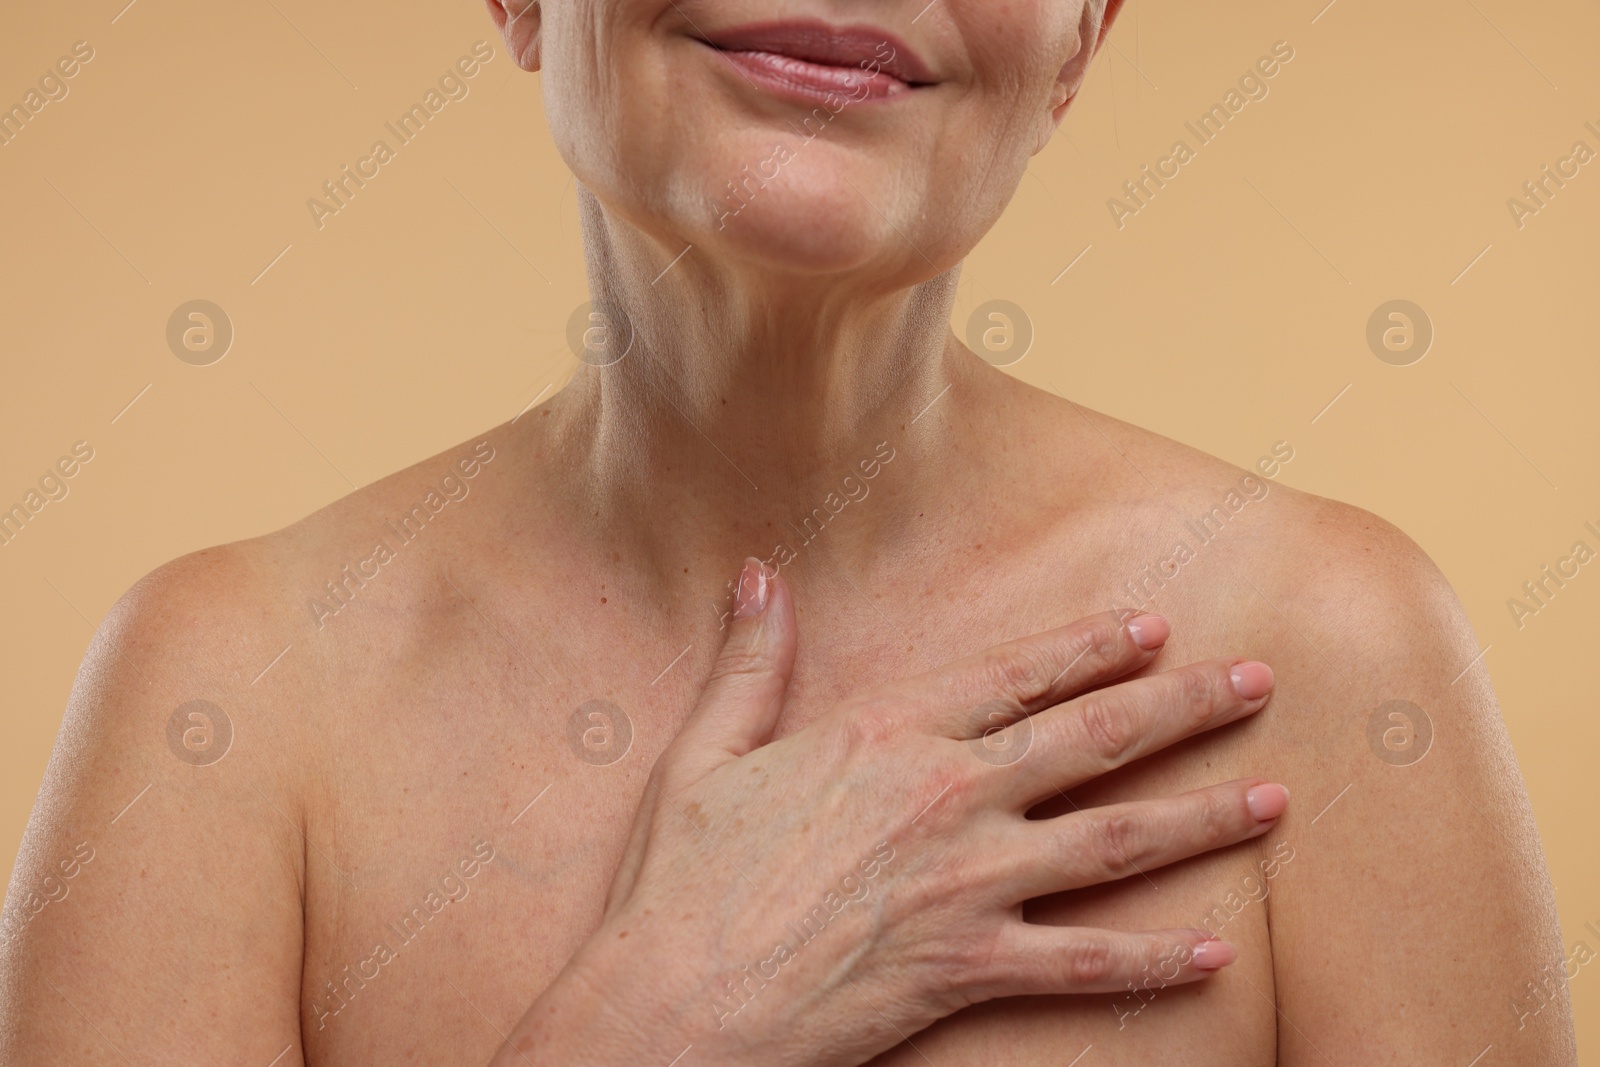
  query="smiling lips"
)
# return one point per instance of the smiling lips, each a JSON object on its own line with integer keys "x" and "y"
{"x": 815, "y": 60}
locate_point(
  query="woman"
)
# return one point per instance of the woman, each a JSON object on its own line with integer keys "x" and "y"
{"x": 531, "y": 781}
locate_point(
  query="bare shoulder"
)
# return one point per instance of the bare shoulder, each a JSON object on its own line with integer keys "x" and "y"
{"x": 222, "y": 648}
{"x": 181, "y": 782}
{"x": 213, "y": 620}
{"x": 1410, "y": 818}
{"x": 1410, "y": 814}
{"x": 1413, "y": 816}
{"x": 1350, "y": 609}
{"x": 1356, "y": 576}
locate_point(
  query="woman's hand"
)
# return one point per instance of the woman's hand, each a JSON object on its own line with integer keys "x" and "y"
{"x": 816, "y": 899}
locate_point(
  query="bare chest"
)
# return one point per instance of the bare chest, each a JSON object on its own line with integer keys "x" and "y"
{"x": 468, "y": 825}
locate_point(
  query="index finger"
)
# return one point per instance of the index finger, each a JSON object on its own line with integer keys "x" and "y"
{"x": 1001, "y": 685}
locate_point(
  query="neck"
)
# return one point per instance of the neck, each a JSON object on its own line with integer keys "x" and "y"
{"x": 752, "y": 407}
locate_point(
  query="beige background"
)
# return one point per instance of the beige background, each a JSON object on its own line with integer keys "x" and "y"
{"x": 1228, "y": 313}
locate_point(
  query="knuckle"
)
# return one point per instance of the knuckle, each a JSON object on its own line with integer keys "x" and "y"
{"x": 1102, "y": 639}
{"x": 1020, "y": 671}
{"x": 976, "y": 961}
{"x": 1120, "y": 841}
{"x": 1089, "y": 962}
{"x": 736, "y": 661}
{"x": 1033, "y": 669}
{"x": 941, "y": 799}
{"x": 1199, "y": 695}
{"x": 1219, "y": 817}
{"x": 1109, "y": 636}
{"x": 1108, "y": 727}
{"x": 870, "y": 725}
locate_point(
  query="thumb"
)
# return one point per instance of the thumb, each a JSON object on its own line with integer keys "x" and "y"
{"x": 740, "y": 703}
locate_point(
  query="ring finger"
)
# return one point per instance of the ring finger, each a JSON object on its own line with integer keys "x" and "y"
{"x": 1106, "y": 844}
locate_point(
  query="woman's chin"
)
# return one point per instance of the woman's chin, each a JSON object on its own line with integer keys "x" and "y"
{"x": 803, "y": 231}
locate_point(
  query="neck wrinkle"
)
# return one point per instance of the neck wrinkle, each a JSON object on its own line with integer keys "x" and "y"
{"x": 747, "y": 397}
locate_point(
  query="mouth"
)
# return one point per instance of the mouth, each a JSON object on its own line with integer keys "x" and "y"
{"x": 815, "y": 61}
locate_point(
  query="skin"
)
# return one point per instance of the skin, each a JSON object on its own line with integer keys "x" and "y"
{"x": 403, "y": 737}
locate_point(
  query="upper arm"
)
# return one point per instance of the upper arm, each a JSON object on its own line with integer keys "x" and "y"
{"x": 154, "y": 914}
{"x": 1418, "y": 909}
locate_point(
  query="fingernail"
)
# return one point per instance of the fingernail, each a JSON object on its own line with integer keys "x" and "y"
{"x": 1214, "y": 955}
{"x": 751, "y": 597}
{"x": 1266, "y": 801}
{"x": 1251, "y": 680}
{"x": 1148, "y": 631}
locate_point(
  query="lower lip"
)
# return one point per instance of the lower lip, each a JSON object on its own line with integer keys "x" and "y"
{"x": 815, "y": 81}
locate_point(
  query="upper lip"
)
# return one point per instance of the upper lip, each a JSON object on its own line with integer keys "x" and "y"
{"x": 835, "y": 46}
